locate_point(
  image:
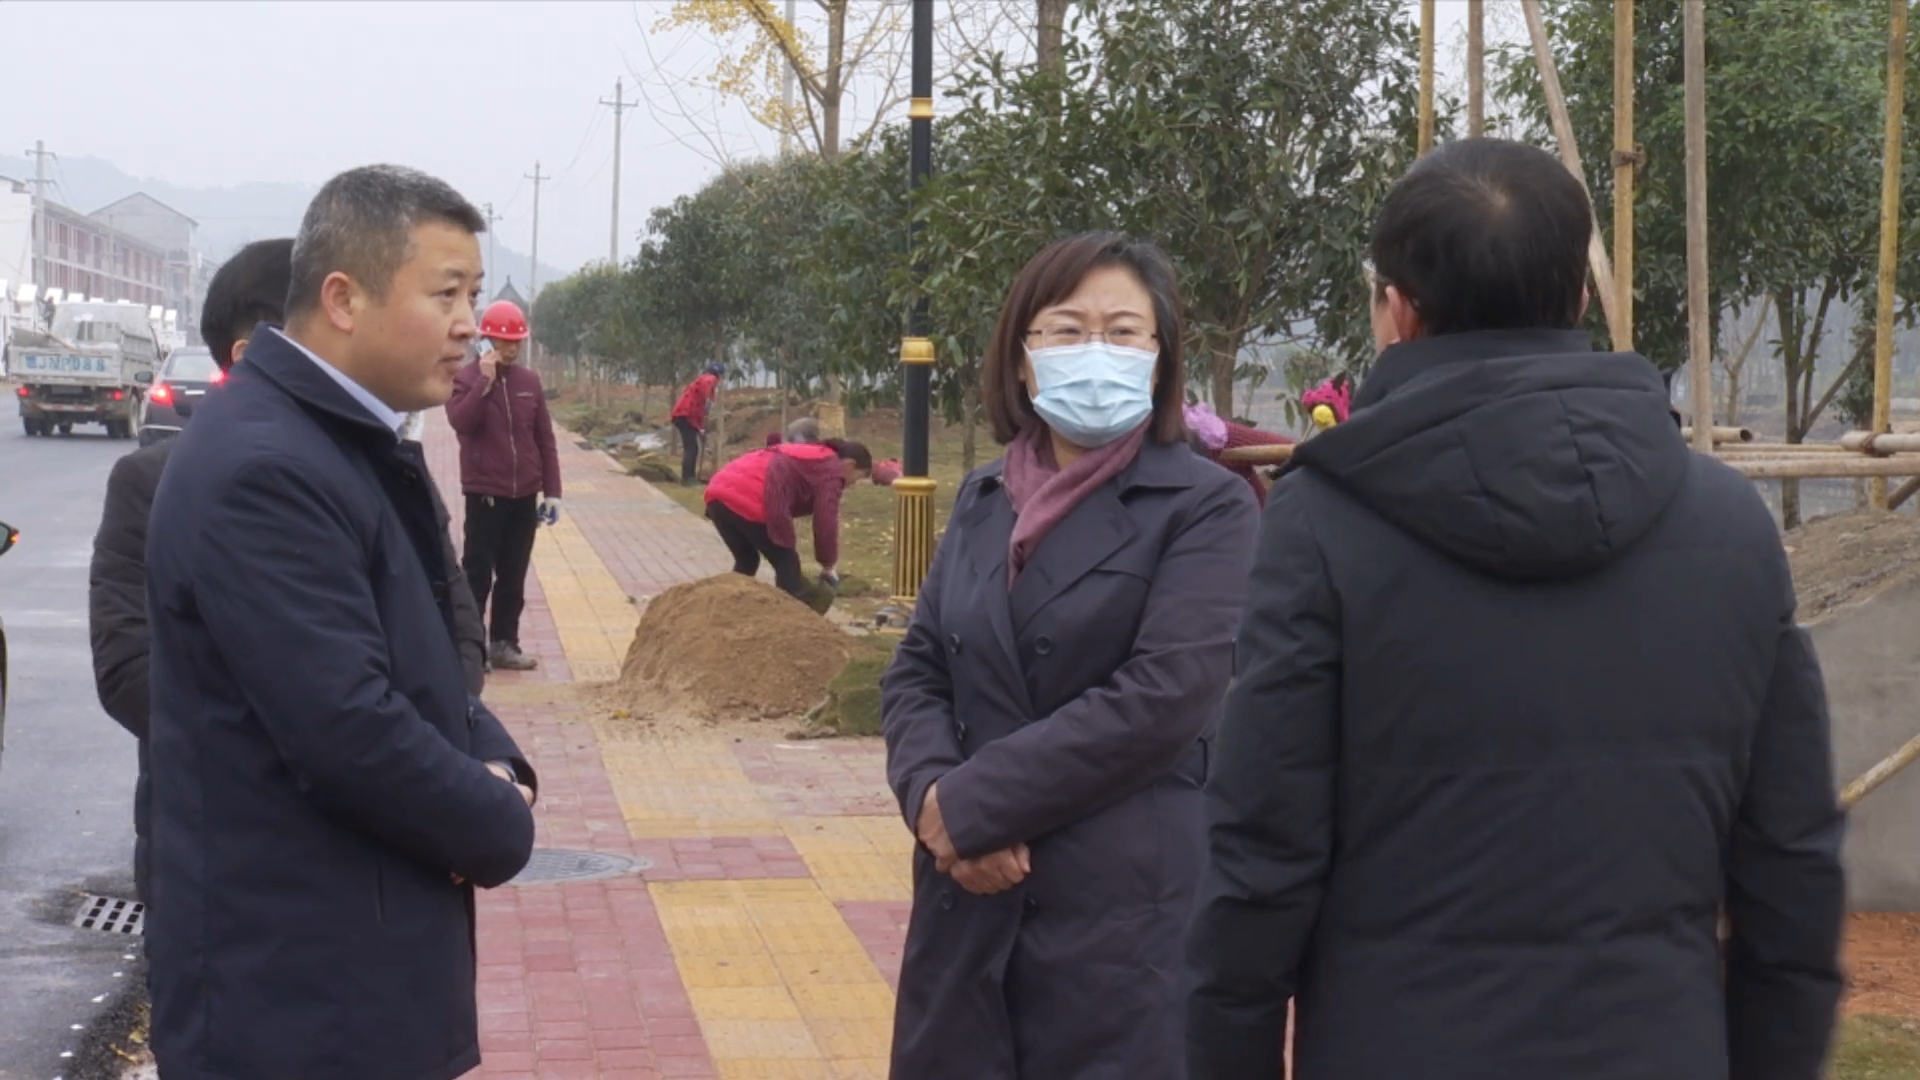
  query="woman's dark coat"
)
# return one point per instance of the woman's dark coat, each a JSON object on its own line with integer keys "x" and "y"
{"x": 1070, "y": 715}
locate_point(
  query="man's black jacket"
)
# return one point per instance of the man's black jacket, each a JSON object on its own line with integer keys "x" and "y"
{"x": 320, "y": 798}
{"x": 117, "y": 615}
{"x": 1521, "y": 705}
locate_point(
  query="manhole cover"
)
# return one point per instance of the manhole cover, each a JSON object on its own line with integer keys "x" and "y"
{"x": 560, "y": 864}
{"x": 112, "y": 915}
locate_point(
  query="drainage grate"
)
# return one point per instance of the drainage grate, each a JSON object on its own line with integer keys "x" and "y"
{"x": 111, "y": 915}
{"x": 561, "y": 864}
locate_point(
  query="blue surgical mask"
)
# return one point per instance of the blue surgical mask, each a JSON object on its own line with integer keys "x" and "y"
{"x": 1093, "y": 393}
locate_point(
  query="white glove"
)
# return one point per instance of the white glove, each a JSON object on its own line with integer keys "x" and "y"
{"x": 550, "y": 511}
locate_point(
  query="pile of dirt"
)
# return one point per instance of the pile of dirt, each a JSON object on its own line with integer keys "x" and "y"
{"x": 730, "y": 647}
{"x": 1845, "y": 558}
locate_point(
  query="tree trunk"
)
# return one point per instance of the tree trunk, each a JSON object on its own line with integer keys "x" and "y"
{"x": 834, "y": 87}
{"x": 1051, "y": 23}
{"x": 1225, "y": 352}
{"x": 969, "y": 421}
{"x": 1785, "y": 307}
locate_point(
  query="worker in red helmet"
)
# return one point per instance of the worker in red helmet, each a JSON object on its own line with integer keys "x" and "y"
{"x": 509, "y": 472}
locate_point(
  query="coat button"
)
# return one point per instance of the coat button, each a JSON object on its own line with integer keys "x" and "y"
{"x": 953, "y": 642}
{"x": 946, "y": 901}
{"x": 960, "y": 730}
{"x": 1032, "y": 904}
{"x": 1043, "y": 645}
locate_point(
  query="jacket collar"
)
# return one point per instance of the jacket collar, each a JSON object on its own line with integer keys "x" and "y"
{"x": 1401, "y": 364}
{"x": 292, "y": 369}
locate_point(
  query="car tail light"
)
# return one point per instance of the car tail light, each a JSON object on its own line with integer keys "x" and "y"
{"x": 161, "y": 394}
{"x": 219, "y": 375}
{"x": 25, "y": 392}
{"x": 117, "y": 395}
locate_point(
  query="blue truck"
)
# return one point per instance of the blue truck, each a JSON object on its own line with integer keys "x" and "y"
{"x": 91, "y": 365}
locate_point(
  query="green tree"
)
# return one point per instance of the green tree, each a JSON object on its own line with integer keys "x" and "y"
{"x": 1795, "y": 91}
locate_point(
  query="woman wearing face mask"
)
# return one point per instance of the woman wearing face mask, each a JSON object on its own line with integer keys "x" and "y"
{"x": 1045, "y": 714}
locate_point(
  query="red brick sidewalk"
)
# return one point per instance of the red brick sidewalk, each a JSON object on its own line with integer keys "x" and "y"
{"x": 764, "y": 938}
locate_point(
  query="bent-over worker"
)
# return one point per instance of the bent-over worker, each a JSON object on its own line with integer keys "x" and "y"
{"x": 753, "y": 500}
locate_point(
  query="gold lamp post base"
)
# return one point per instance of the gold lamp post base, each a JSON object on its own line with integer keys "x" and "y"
{"x": 912, "y": 535}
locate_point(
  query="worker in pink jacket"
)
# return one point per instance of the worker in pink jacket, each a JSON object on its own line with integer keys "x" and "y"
{"x": 507, "y": 465}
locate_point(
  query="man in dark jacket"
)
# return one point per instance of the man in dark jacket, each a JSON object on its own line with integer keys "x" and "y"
{"x": 249, "y": 289}
{"x": 507, "y": 461}
{"x": 1521, "y": 706}
{"x": 326, "y": 793}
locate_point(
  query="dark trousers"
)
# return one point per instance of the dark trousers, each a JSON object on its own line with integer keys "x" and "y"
{"x": 689, "y": 448}
{"x": 498, "y": 550}
{"x": 749, "y": 541}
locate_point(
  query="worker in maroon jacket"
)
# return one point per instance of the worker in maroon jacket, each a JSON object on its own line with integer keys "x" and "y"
{"x": 754, "y": 499}
{"x": 507, "y": 462}
{"x": 690, "y": 418}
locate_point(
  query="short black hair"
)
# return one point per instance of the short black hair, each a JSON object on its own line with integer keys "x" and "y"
{"x": 250, "y": 288}
{"x": 1486, "y": 234}
{"x": 362, "y": 223}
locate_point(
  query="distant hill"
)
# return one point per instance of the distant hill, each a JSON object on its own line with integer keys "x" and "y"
{"x": 229, "y": 217}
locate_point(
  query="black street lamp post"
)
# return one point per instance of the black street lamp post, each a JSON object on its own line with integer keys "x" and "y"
{"x": 913, "y": 491}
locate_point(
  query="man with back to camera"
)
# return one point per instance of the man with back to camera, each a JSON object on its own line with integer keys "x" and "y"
{"x": 507, "y": 461}
{"x": 326, "y": 794}
{"x": 1521, "y": 705}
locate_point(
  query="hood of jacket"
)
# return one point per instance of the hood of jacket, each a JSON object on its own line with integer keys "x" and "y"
{"x": 1523, "y": 454}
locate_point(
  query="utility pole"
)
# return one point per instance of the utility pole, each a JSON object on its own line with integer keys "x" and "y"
{"x": 533, "y": 286}
{"x": 487, "y": 209}
{"x": 40, "y": 274}
{"x": 619, "y": 105}
{"x": 786, "y": 91}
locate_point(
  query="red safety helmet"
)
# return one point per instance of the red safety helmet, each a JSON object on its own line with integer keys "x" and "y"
{"x": 503, "y": 321}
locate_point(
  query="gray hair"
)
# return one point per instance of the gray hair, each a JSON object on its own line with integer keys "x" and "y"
{"x": 361, "y": 224}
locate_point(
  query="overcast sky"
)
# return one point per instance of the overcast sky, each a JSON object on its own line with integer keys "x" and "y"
{"x": 210, "y": 94}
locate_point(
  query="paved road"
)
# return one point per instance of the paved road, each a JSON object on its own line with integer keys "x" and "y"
{"x": 66, "y": 775}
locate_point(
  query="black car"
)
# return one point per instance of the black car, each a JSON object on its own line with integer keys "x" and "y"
{"x": 184, "y": 379}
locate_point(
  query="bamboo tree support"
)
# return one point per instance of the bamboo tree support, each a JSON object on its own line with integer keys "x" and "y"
{"x": 1426, "y": 77}
{"x": 1626, "y": 159}
{"x": 1886, "y": 769}
{"x": 1570, "y": 154}
{"x": 1699, "y": 323}
{"x": 1476, "y": 68}
{"x": 1723, "y": 434}
{"x": 1906, "y": 492}
{"x": 1889, "y": 231}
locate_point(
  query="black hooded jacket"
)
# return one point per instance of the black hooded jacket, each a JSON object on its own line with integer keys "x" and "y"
{"x": 1521, "y": 706}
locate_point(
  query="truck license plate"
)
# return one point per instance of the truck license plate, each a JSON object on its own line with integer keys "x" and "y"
{"x": 64, "y": 365}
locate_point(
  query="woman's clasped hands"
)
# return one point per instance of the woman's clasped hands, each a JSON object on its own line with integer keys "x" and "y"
{"x": 984, "y": 876}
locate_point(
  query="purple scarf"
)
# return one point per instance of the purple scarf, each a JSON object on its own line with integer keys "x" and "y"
{"x": 1043, "y": 493}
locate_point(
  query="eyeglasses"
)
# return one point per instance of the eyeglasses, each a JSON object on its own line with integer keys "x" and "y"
{"x": 1127, "y": 337}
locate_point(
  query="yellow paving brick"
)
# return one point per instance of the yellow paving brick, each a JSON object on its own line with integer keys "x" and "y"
{"x": 750, "y": 1039}
{"x": 855, "y": 858}
{"x": 591, "y": 612}
{"x": 744, "y": 1003}
{"x": 810, "y": 976}
{"x": 673, "y": 785}
{"x": 761, "y": 1069}
{"x": 861, "y": 1069}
